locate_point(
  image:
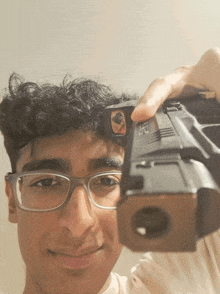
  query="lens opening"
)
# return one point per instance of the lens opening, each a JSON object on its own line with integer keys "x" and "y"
{"x": 151, "y": 222}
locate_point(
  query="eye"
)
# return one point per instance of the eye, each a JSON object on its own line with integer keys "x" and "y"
{"x": 108, "y": 181}
{"x": 47, "y": 182}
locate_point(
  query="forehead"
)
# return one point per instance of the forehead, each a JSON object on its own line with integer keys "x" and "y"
{"x": 79, "y": 152}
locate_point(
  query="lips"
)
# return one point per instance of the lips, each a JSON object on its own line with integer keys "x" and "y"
{"x": 75, "y": 254}
{"x": 79, "y": 259}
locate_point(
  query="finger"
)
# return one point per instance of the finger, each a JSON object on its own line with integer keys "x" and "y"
{"x": 148, "y": 104}
{"x": 207, "y": 71}
{"x": 161, "y": 89}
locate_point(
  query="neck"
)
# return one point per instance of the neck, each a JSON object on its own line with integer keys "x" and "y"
{"x": 106, "y": 285}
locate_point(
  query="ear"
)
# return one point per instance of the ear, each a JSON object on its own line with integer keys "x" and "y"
{"x": 12, "y": 214}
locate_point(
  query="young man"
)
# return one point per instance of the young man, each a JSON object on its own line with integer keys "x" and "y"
{"x": 65, "y": 179}
{"x": 67, "y": 227}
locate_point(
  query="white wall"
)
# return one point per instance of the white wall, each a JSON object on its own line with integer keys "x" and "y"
{"x": 125, "y": 43}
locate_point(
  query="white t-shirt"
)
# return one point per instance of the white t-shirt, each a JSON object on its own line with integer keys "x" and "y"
{"x": 175, "y": 273}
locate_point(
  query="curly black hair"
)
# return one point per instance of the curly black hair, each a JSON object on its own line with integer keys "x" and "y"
{"x": 30, "y": 110}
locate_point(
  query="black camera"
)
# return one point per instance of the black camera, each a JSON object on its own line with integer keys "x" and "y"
{"x": 170, "y": 194}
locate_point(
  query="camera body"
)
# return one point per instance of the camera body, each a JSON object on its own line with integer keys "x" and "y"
{"x": 170, "y": 194}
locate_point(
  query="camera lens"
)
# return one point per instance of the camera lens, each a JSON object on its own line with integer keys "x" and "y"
{"x": 151, "y": 222}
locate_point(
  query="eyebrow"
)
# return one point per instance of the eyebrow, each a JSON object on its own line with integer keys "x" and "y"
{"x": 105, "y": 162}
{"x": 55, "y": 164}
{"x": 61, "y": 165}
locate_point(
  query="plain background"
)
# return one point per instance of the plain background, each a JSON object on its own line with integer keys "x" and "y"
{"x": 123, "y": 43}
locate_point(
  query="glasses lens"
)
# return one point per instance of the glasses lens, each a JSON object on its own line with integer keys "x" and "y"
{"x": 42, "y": 191}
{"x": 105, "y": 189}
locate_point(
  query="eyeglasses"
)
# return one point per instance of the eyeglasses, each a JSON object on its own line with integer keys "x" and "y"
{"x": 45, "y": 191}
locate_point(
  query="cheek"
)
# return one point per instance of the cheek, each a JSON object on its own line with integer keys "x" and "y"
{"x": 32, "y": 229}
{"x": 109, "y": 227}
{"x": 113, "y": 248}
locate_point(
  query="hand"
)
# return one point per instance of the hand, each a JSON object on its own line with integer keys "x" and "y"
{"x": 184, "y": 82}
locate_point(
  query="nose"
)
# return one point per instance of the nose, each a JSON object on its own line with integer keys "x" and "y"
{"x": 78, "y": 216}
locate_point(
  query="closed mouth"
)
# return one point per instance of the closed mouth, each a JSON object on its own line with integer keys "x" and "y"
{"x": 79, "y": 259}
{"x": 77, "y": 254}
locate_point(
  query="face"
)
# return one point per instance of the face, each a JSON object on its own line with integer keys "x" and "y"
{"x": 71, "y": 250}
